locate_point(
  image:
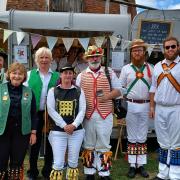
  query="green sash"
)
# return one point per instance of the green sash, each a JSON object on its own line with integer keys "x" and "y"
{"x": 137, "y": 78}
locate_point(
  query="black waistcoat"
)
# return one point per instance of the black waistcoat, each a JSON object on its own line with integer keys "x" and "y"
{"x": 67, "y": 105}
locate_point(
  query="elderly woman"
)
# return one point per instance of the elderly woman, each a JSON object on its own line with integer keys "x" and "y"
{"x": 66, "y": 105}
{"x": 18, "y": 121}
{"x": 40, "y": 80}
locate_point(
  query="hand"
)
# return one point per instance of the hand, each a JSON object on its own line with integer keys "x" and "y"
{"x": 69, "y": 129}
{"x": 152, "y": 112}
{"x": 32, "y": 140}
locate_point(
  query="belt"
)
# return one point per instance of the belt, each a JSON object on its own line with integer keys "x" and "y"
{"x": 140, "y": 101}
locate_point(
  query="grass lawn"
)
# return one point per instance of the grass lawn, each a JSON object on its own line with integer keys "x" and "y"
{"x": 119, "y": 169}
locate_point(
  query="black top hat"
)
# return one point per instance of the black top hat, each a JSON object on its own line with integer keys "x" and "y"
{"x": 67, "y": 66}
{"x": 3, "y": 54}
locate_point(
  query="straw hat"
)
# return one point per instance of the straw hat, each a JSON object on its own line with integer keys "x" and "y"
{"x": 138, "y": 43}
{"x": 94, "y": 51}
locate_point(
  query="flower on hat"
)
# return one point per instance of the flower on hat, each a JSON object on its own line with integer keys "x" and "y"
{"x": 94, "y": 51}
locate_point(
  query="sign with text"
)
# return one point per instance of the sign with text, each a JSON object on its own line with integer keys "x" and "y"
{"x": 154, "y": 32}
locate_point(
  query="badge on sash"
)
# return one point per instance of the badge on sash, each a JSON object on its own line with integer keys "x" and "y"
{"x": 26, "y": 95}
{"x": 5, "y": 98}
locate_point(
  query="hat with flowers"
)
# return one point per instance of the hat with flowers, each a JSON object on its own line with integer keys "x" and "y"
{"x": 94, "y": 51}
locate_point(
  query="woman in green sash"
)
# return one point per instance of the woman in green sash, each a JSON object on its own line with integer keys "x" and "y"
{"x": 18, "y": 121}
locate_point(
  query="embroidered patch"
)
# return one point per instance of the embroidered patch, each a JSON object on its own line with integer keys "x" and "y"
{"x": 139, "y": 75}
{"x": 5, "y": 98}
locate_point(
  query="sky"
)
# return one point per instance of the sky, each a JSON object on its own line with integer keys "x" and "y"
{"x": 160, "y": 4}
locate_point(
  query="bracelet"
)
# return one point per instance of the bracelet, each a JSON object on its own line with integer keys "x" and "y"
{"x": 33, "y": 133}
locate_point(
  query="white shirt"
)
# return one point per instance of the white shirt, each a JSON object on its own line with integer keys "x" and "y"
{"x": 165, "y": 93}
{"x": 139, "y": 91}
{"x": 55, "y": 115}
{"x": 45, "y": 78}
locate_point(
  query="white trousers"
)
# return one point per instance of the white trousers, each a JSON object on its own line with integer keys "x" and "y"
{"x": 137, "y": 129}
{"x": 60, "y": 142}
{"x": 167, "y": 126}
{"x": 97, "y": 137}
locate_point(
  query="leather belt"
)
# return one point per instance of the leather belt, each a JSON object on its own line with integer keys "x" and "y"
{"x": 140, "y": 101}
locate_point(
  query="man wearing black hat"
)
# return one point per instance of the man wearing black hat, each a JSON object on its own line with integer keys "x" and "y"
{"x": 3, "y": 57}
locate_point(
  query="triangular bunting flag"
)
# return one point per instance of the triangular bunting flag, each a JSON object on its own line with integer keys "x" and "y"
{"x": 68, "y": 43}
{"x": 84, "y": 42}
{"x": 150, "y": 49}
{"x": 7, "y": 33}
{"x": 125, "y": 44}
{"x": 114, "y": 40}
{"x": 99, "y": 40}
{"x": 35, "y": 38}
{"x": 20, "y": 36}
{"x": 51, "y": 41}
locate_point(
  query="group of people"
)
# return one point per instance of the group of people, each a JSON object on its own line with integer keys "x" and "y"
{"x": 80, "y": 114}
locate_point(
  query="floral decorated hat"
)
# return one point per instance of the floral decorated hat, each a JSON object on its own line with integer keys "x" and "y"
{"x": 94, "y": 51}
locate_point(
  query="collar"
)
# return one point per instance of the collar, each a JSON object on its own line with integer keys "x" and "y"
{"x": 166, "y": 61}
{"x": 72, "y": 86}
{"x": 88, "y": 70}
{"x": 49, "y": 71}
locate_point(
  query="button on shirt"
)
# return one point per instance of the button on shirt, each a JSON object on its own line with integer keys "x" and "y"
{"x": 165, "y": 93}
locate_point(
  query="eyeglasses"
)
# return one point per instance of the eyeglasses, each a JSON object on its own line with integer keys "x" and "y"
{"x": 172, "y": 47}
{"x": 137, "y": 50}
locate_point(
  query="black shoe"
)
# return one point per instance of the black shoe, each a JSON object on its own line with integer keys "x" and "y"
{"x": 142, "y": 172}
{"x": 105, "y": 178}
{"x": 90, "y": 177}
{"x": 157, "y": 178}
{"x": 131, "y": 172}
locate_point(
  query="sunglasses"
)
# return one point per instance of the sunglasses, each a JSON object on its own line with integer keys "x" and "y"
{"x": 172, "y": 47}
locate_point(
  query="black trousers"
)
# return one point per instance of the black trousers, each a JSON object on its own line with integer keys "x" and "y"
{"x": 13, "y": 147}
{"x": 35, "y": 149}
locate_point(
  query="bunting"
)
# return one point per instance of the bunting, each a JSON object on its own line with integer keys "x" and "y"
{"x": 68, "y": 43}
{"x": 20, "y": 36}
{"x": 7, "y": 33}
{"x": 51, "y": 41}
{"x": 35, "y": 38}
{"x": 114, "y": 40}
{"x": 84, "y": 42}
{"x": 125, "y": 44}
{"x": 99, "y": 40}
{"x": 150, "y": 49}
